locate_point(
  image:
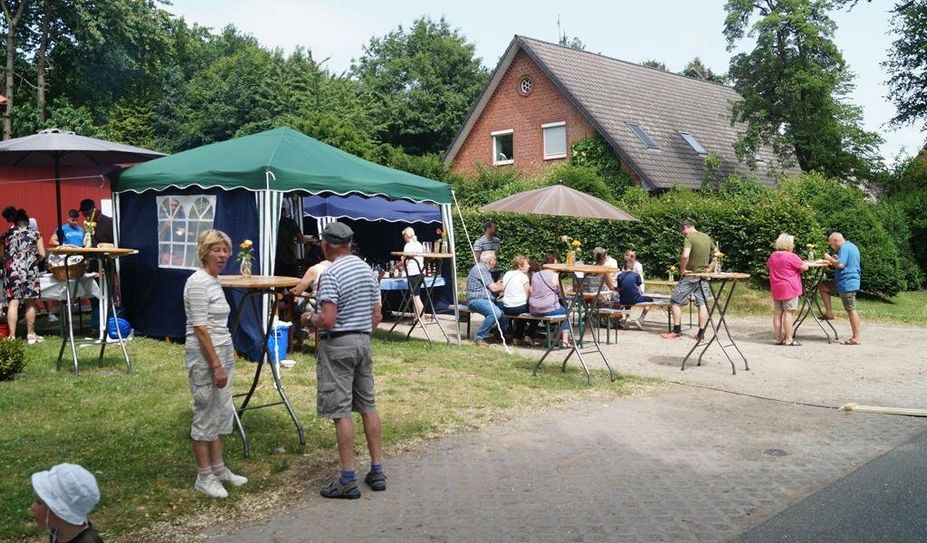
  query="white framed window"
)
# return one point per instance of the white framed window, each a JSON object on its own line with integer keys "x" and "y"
{"x": 181, "y": 218}
{"x": 555, "y": 140}
{"x": 503, "y": 148}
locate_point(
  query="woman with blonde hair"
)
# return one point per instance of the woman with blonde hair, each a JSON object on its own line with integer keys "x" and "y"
{"x": 515, "y": 292}
{"x": 209, "y": 358}
{"x": 785, "y": 269}
{"x": 415, "y": 270}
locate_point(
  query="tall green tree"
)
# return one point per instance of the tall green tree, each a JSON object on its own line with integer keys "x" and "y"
{"x": 420, "y": 83}
{"x": 795, "y": 83}
{"x": 907, "y": 63}
{"x": 654, "y": 63}
{"x": 13, "y": 12}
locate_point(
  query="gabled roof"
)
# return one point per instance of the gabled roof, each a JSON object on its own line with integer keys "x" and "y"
{"x": 612, "y": 93}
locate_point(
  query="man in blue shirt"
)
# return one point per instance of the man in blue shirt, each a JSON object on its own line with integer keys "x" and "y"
{"x": 481, "y": 290}
{"x": 72, "y": 231}
{"x": 847, "y": 274}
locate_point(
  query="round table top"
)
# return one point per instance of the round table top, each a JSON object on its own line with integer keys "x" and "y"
{"x": 819, "y": 263}
{"x": 257, "y": 281}
{"x": 719, "y": 276}
{"x": 588, "y": 269}
{"x": 112, "y": 252}
{"x": 424, "y": 255}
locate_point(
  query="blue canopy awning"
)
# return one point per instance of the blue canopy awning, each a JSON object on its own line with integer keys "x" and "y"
{"x": 370, "y": 209}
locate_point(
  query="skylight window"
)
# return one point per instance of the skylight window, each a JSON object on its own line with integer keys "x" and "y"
{"x": 693, "y": 143}
{"x": 643, "y": 136}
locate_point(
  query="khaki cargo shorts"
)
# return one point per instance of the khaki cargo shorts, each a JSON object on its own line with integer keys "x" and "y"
{"x": 849, "y": 300}
{"x": 790, "y": 304}
{"x": 213, "y": 410}
{"x": 344, "y": 375}
{"x": 689, "y": 286}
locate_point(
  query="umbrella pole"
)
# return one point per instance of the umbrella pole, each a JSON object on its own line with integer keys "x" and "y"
{"x": 58, "y": 229}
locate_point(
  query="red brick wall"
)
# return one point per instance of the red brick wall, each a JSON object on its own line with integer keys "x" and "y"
{"x": 508, "y": 109}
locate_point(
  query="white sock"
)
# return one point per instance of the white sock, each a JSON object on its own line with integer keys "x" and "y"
{"x": 203, "y": 473}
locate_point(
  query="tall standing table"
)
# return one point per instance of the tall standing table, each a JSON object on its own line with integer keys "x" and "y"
{"x": 436, "y": 260}
{"x": 811, "y": 300}
{"x": 255, "y": 287}
{"x": 585, "y": 307}
{"x": 722, "y": 286}
{"x": 106, "y": 256}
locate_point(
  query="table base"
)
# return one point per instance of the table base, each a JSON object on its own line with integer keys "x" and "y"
{"x": 811, "y": 306}
{"x": 720, "y": 332}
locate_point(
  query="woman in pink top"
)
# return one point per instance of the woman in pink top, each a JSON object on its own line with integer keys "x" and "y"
{"x": 785, "y": 268}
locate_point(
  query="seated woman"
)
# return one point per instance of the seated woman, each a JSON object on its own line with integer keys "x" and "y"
{"x": 515, "y": 290}
{"x": 544, "y": 299}
{"x": 632, "y": 263}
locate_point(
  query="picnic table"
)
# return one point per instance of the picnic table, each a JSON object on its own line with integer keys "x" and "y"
{"x": 722, "y": 286}
{"x": 811, "y": 299}
{"x": 584, "y": 303}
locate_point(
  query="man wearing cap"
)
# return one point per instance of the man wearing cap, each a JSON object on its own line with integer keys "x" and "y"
{"x": 71, "y": 232}
{"x": 64, "y": 496}
{"x": 348, "y": 310}
{"x": 102, "y": 225}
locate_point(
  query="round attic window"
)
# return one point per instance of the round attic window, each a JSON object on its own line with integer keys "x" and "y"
{"x": 525, "y": 86}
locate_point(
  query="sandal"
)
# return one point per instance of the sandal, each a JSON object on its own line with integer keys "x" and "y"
{"x": 337, "y": 489}
{"x": 32, "y": 339}
{"x": 792, "y": 343}
{"x": 780, "y": 342}
{"x": 850, "y": 341}
{"x": 823, "y": 317}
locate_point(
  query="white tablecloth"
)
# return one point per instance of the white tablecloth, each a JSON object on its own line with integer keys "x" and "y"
{"x": 52, "y": 289}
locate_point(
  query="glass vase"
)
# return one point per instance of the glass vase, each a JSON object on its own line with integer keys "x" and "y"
{"x": 245, "y": 268}
{"x": 570, "y": 258}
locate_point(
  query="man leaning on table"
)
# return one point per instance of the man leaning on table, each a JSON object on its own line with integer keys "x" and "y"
{"x": 697, "y": 252}
{"x": 349, "y": 309}
{"x": 847, "y": 276}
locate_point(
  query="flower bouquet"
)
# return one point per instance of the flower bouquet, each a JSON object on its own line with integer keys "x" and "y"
{"x": 573, "y": 245}
{"x": 245, "y": 256}
{"x": 810, "y": 247}
{"x": 672, "y": 271}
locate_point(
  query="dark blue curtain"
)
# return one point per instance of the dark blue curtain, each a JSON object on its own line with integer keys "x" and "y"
{"x": 153, "y": 296}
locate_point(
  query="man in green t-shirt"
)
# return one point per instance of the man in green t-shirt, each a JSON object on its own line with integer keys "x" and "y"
{"x": 697, "y": 253}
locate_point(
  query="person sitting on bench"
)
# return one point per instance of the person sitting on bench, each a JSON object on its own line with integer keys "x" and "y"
{"x": 629, "y": 294}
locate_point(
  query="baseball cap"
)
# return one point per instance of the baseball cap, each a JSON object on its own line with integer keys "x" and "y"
{"x": 337, "y": 233}
{"x": 69, "y": 490}
{"x": 86, "y": 204}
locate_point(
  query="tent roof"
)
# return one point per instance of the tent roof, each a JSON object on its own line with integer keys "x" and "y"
{"x": 296, "y": 161}
{"x": 370, "y": 209}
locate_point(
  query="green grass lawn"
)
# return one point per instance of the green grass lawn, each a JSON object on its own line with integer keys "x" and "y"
{"x": 131, "y": 430}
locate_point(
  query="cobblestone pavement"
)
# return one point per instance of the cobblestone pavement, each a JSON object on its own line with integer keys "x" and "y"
{"x": 676, "y": 463}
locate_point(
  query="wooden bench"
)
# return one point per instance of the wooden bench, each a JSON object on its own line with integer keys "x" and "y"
{"x": 466, "y": 314}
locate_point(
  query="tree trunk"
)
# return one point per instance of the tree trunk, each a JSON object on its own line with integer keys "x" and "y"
{"x": 41, "y": 64}
{"x": 11, "y": 23}
{"x": 10, "y": 57}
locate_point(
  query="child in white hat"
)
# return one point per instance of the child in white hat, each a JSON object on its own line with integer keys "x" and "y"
{"x": 64, "y": 496}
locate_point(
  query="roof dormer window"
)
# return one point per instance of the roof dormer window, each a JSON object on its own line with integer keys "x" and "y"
{"x": 693, "y": 143}
{"x": 643, "y": 136}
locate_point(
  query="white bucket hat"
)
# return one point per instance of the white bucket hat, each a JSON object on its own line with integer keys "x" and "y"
{"x": 69, "y": 490}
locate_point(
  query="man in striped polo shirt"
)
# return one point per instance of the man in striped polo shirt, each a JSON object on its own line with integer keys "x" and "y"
{"x": 348, "y": 310}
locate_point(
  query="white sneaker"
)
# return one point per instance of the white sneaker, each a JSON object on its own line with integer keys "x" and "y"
{"x": 211, "y": 487}
{"x": 234, "y": 480}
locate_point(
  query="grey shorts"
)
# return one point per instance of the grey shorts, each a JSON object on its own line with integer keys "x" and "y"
{"x": 686, "y": 287}
{"x": 790, "y": 304}
{"x": 344, "y": 375}
{"x": 213, "y": 410}
{"x": 849, "y": 300}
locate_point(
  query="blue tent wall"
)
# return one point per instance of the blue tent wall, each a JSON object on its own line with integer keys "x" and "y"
{"x": 153, "y": 296}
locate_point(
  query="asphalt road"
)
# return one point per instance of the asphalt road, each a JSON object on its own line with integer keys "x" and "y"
{"x": 883, "y": 501}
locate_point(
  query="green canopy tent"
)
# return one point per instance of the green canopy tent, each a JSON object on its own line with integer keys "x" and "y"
{"x": 269, "y": 165}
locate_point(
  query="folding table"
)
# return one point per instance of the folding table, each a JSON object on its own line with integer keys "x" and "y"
{"x": 721, "y": 285}
{"x": 431, "y": 261}
{"x": 256, "y": 287}
{"x": 811, "y": 300}
{"x": 586, "y": 310}
{"x": 106, "y": 256}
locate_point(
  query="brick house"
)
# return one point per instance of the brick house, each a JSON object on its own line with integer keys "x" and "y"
{"x": 543, "y": 97}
